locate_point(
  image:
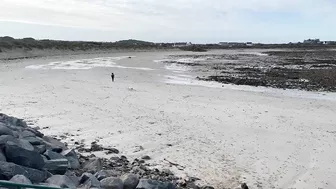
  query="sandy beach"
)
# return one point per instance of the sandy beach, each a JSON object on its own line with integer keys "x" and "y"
{"x": 223, "y": 134}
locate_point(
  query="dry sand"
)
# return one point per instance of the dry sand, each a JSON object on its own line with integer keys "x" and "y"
{"x": 268, "y": 138}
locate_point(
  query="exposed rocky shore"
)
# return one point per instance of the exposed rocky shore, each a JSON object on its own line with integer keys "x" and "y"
{"x": 28, "y": 156}
{"x": 311, "y": 70}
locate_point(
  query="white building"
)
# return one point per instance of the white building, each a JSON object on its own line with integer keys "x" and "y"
{"x": 249, "y": 44}
{"x": 183, "y": 44}
{"x": 223, "y": 44}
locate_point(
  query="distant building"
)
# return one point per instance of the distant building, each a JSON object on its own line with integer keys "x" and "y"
{"x": 311, "y": 41}
{"x": 329, "y": 42}
{"x": 236, "y": 44}
{"x": 184, "y": 44}
{"x": 223, "y": 43}
{"x": 249, "y": 44}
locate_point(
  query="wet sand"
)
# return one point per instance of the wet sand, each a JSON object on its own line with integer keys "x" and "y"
{"x": 224, "y": 135}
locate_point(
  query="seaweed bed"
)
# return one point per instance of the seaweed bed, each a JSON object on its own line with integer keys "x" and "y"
{"x": 311, "y": 70}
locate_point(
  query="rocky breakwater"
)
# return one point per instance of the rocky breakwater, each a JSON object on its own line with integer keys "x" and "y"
{"x": 27, "y": 156}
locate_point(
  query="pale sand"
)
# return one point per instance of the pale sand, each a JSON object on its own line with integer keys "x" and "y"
{"x": 265, "y": 137}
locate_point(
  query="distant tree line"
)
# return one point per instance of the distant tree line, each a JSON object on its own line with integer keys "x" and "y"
{"x": 194, "y": 48}
{"x": 31, "y": 43}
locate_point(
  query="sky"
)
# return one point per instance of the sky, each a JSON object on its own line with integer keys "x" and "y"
{"x": 197, "y": 21}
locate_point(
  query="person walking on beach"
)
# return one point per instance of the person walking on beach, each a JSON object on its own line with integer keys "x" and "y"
{"x": 112, "y": 76}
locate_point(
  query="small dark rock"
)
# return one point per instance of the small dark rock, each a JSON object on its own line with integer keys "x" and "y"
{"x": 92, "y": 156}
{"x": 118, "y": 162}
{"x": 244, "y": 186}
{"x": 56, "y": 149}
{"x": 207, "y": 187}
{"x": 100, "y": 175}
{"x": 12, "y": 121}
{"x": 44, "y": 158}
{"x": 88, "y": 180}
{"x": 62, "y": 137}
{"x": 72, "y": 158}
{"x": 5, "y": 131}
{"x": 20, "y": 142}
{"x": 37, "y": 128}
{"x": 96, "y": 147}
{"x": 138, "y": 149}
{"x": 138, "y": 170}
{"x": 93, "y": 165}
{"x": 25, "y": 144}
{"x": 83, "y": 158}
{"x": 21, "y": 156}
{"x": 111, "y": 151}
{"x": 5, "y": 138}
{"x": 112, "y": 183}
{"x": 123, "y": 158}
{"x": 61, "y": 181}
{"x": 21, "y": 179}
{"x": 16, "y": 134}
{"x": 73, "y": 177}
{"x": 2, "y": 156}
{"x": 146, "y": 157}
{"x": 167, "y": 172}
{"x": 193, "y": 179}
{"x": 130, "y": 181}
{"x": 153, "y": 184}
{"x": 53, "y": 155}
{"x": 141, "y": 161}
{"x": 57, "y": 166}
{"x": 114, "y": 158}
{"x": 8, "y": 170}
{"x": 54, "y": 144}
{"x": 27, "y": 133}
{"x": 36, "y": 132}
{"x": 40, "y": 148}
{"x": 34, "y": 140}
{"x": 81, "y": 148}
{"x": 191, "y": 185}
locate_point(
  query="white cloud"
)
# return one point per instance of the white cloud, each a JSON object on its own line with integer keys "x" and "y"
{"x": 189, "y": 18}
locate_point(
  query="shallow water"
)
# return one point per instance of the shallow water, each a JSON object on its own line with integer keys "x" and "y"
{"x": 85, "y": 64}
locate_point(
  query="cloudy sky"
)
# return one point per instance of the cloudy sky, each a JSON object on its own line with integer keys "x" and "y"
{"x": 198, "y": 21}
